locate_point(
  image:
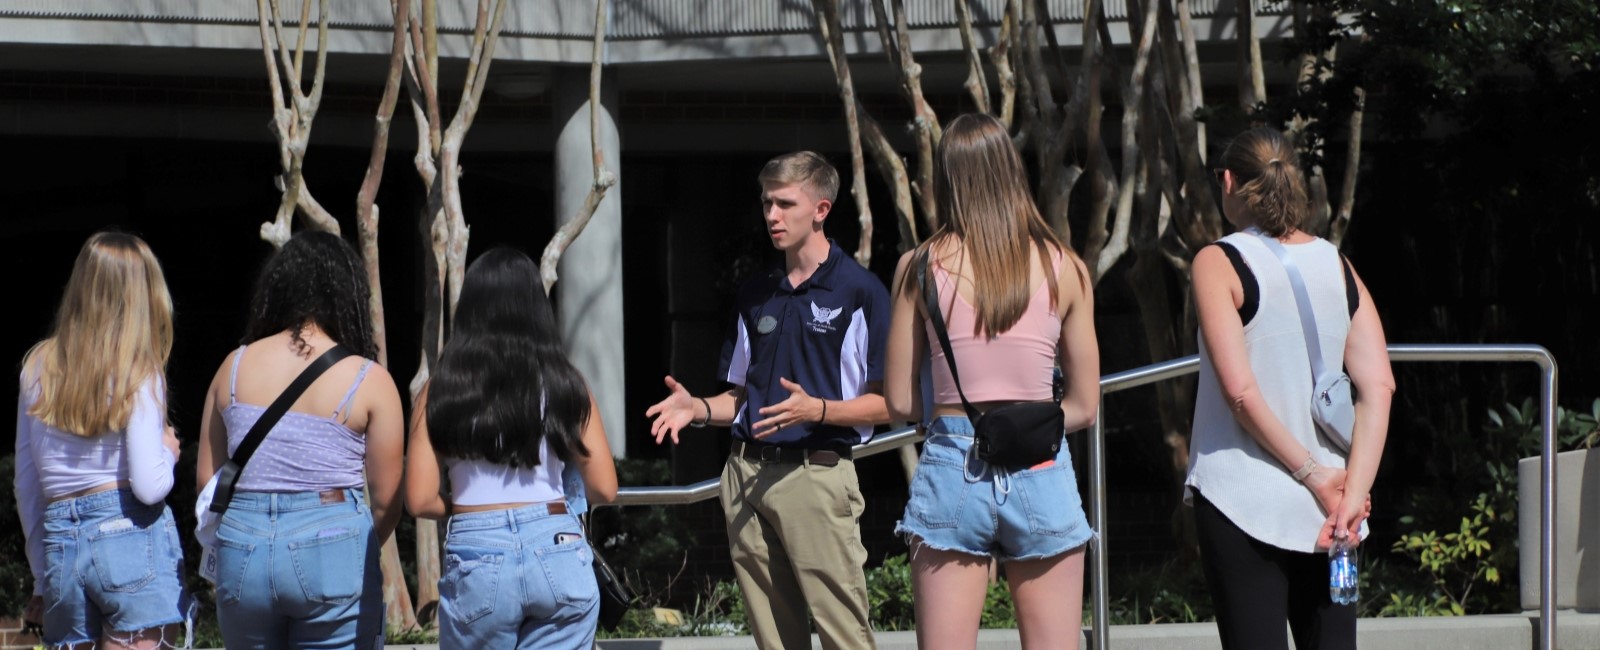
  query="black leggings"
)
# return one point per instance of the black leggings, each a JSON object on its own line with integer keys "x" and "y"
{"x": 1256, "y": 586}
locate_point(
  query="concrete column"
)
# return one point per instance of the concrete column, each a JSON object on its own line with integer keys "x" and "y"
{"x": 589, "y": 293}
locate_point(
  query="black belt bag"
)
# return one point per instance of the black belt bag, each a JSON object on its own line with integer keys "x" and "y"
{"x": 1019, "y": 435}
{"x": 1013, "y": 436}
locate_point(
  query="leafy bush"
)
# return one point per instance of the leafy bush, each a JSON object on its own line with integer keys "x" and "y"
{"x": 1457, "y": 565}
{"x": 717, "y": 611}
{"x": 1172, "y": 592}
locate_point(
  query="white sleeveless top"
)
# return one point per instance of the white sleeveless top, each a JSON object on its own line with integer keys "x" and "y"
{"x": 480, "y": 482}
{"x": 1243, "y": 480}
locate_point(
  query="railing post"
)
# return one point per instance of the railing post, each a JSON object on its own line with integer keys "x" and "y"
{"x": 1547, "y": 518}
{"x": 1099, "y": 634}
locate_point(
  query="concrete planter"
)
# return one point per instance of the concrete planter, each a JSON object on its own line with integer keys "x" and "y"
{"x": 1577, "y": 538}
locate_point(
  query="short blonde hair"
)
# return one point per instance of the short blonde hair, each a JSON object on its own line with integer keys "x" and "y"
{"x": 113, "y": 332}
{"x": 808, "y": 167}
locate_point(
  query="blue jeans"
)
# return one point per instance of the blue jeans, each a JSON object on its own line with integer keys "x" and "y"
{"x": 112, "y": 565}
{"x": 519, "y": 578}
{"x": 960, "y": 503}
{"x": 299, "y": 570}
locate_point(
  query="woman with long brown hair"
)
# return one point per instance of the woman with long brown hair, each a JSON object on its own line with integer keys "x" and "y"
{"x": 1269, "y": 492}
{"x": 1018, "y": 303}
{"x": 95, "y": 457}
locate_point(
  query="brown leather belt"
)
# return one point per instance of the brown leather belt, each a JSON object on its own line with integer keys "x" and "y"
{"x": 770, "y": 453}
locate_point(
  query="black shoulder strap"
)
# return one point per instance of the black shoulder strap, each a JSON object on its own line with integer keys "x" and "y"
{"x": 1352, "y": 294}
{"x": 270, "y": 417}
{"x": 1247, "y": 281}
{"x": 930, "y": 299}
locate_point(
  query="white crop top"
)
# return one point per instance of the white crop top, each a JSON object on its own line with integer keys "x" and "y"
{"x": 480, "y": 482}
{"x": 52, "y": 463}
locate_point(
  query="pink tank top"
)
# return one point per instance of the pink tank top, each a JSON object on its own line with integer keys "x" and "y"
{"x": 1014, "y": 366}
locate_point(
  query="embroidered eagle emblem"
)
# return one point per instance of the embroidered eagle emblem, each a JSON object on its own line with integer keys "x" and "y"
{"x": 823, "y": 314}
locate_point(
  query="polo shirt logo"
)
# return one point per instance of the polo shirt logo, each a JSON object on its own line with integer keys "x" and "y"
{"x": 822, "y": 318}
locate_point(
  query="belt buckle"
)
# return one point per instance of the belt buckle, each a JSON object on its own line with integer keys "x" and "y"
{"x": 775, "y": 456}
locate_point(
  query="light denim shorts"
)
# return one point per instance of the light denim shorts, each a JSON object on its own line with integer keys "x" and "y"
{"x": 960, "y": 503}
{"x": 112, "y": 565}
{"x": 518, "y": 578}
{"x": 298, "y": 570}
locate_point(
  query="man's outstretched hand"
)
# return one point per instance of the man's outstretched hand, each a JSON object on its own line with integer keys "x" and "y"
{"x": 672, "y": 414}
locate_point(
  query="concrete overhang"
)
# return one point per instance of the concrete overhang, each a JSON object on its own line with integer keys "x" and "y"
{"x": 560, "y": 31}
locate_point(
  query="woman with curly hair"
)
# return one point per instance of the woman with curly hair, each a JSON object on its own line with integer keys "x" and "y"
{"x": 297, "y": 555}
{"x": 1018, "y": 304}
{"x": 1270, "y": 493}
{"x": 508, "y": 415}
{"x": 95, "y": 457}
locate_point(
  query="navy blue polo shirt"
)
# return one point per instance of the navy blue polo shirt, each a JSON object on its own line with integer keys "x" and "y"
{"x": 828, "y": 335}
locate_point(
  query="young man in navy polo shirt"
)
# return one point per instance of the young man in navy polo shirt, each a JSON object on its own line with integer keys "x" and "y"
{"x": 805, "y": 359}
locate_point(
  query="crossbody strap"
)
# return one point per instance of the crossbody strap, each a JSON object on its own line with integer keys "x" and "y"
{"x": 930, "y": 298}
{"x": 270, "y": 417}
{"x": 1302, "y": 300}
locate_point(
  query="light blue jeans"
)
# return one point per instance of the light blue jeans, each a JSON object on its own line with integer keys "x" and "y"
{"x": 299, "y": 570}
{"x": 113, "y": 565}
{"x": 519, "y": 578}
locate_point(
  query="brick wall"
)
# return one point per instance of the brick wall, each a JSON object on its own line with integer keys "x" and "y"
{"x": 11, "y": 635}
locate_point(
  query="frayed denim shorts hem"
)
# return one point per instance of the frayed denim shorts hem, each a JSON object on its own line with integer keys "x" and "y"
{"x": 113, "y": 566}
{"x": 961, "y": 504}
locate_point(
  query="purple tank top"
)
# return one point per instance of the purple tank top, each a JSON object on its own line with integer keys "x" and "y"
{"x": 303, "y": 452}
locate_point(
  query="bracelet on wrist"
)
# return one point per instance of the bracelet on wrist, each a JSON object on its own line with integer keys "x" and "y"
{"x": 824, "y": 417}
{"x": 706, "y": 421}
{"x": 1305, "y": 470}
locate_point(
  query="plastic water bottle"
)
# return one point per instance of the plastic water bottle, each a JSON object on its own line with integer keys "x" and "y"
{"x": 1343, "y": 576}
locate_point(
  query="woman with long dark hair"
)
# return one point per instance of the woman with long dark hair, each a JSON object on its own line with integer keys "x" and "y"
{"x": 297, "y": 556}
{"x": 95, "y": 457}
{"x": 1270, "y": 493}
{"x": 509, "y": 419}
{"x": 1018, "y": 304}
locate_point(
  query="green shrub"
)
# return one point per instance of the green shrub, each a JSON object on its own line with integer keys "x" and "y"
{"x": 716, "y": 611}
{"x": 1171, "y": 592}
{"x": 1451, "y": 564}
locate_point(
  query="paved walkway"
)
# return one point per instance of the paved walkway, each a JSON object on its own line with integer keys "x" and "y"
{"x": 1575, "y": 631}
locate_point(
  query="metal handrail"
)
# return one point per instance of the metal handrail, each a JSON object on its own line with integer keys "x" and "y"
{"x": 1156, "y": 372}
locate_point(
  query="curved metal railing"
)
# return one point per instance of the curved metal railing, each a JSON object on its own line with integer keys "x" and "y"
{"x": 1156, "y": 372}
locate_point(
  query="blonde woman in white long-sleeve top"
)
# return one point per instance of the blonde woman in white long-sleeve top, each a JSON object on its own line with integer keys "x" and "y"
{"x": 95, "y": 458}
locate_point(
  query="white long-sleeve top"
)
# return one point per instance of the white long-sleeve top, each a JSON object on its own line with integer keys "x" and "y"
{"x": 52, "y": 463}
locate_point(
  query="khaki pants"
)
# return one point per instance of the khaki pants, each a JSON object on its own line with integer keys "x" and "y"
{"x": 793, "y": 534}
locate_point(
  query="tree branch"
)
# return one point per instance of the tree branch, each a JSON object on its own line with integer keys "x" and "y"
{"x": 1191, "y": 58}
{"x": 925, "y": 123}
{"x": 828, "y": 22}
{"x": 1132, "y": 101}
{"x": 1000, "y": 56}
{"x": 300, "y": 41}
{"x": 550, "y": 260}
{"x": 1352, "y": 170}
{"x": 977, "y": 86}
{"x": 1252, "y": 85}
{"x": 893, "y": 171}
{"x": 366, "y": 198}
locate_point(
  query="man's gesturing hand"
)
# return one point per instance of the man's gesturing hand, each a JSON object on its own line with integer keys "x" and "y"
{"x": 673, "y": 413}
{"x": 798, "y": 408}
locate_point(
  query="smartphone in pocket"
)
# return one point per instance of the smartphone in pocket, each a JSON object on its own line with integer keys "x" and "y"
{"x": 567, "y": 538}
